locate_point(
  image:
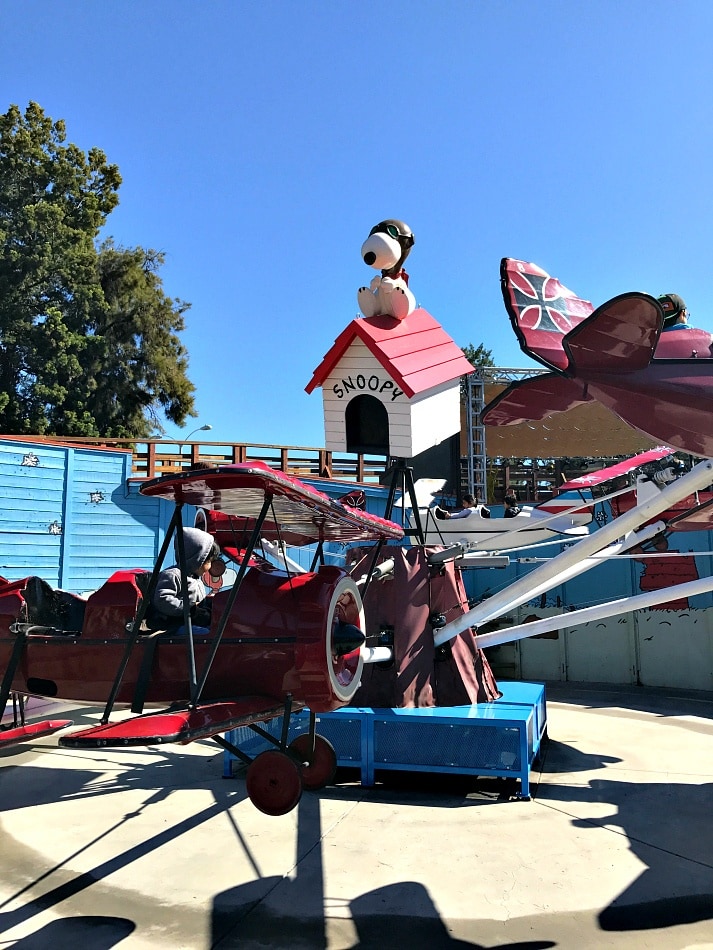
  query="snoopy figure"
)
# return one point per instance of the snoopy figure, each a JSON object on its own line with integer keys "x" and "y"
{"x": 386, "y": 249}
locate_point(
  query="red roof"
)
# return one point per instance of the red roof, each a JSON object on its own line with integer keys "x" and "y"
{"x": 416, "y": 352}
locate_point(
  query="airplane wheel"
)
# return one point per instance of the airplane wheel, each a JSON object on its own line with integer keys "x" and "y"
{"x": 323, "y": 767}
{"x": 274, "y": 782}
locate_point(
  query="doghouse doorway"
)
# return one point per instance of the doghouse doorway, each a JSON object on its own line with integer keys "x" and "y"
{"x": 367, "y": 425}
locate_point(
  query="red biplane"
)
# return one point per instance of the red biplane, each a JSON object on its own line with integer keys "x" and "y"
{"x": 279, "y": 640}
{"x": 660, "y": 383}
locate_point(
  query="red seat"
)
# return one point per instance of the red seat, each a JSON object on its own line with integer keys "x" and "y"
{"x": 114, "y": 605}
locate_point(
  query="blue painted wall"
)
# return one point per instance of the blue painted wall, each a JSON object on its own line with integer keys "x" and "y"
{"x": 70, "y": 515}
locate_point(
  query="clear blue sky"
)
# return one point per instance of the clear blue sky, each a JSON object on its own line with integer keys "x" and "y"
{"x": 259, "y": 142}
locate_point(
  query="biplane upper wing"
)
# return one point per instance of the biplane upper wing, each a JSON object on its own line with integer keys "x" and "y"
{"x": 299, "y": 514}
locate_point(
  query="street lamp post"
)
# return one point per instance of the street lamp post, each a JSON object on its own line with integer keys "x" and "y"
{"x": 204, "y": 428}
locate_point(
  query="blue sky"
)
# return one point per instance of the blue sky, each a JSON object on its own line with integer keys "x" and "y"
{"x": 260, "y": 141}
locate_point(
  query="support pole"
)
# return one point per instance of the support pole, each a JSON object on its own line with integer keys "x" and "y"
{"x": 574, "y": 618}
{"x": 547, "y": 576}
{"x": 402, "y": 477}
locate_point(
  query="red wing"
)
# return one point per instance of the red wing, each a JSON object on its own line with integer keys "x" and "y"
{"x": 31, "y": 730}
{"x": 181, "y": 725}
{"x": 542, "y": 311}
{"x": 699, "y": 518}
{"x": 298, "y": 515}
{"x": 621, "y": 468}
{"x": 620, "y": 335}
{"x": 534, "y": 399}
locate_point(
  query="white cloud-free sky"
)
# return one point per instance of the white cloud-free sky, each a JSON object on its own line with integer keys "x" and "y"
{"x": 260, "y": 141}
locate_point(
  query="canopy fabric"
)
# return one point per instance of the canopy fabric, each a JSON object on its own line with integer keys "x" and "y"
{"x": 298, "y": 514}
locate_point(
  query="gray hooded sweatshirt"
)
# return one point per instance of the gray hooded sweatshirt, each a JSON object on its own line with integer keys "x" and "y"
{"x": 168, "y": 598}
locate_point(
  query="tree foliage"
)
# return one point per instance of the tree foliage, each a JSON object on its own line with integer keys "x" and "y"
{"x": 478, "y": 355}
{"x": 88, "y": 338}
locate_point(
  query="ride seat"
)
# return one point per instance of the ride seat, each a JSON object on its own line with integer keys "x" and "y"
{"x": 48, "y": 607}
{"x": 115, "y": 604}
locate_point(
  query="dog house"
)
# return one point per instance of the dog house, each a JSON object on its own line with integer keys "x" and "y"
{"x": 391, "y": 387}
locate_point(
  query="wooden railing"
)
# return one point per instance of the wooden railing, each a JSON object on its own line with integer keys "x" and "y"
{"x": 534, "y": 480}
{"x": 155, "y": 457}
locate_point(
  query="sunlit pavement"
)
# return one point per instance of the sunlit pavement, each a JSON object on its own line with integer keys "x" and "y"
{"x": 153, "y": 848}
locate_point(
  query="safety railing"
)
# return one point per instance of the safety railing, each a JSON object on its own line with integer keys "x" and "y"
{"x": 154, "y": 457}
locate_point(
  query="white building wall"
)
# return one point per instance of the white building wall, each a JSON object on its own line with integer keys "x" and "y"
{"x": 435, "y": 415}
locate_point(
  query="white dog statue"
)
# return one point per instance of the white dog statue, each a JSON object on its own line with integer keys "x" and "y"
{"x": 386, "y": 249}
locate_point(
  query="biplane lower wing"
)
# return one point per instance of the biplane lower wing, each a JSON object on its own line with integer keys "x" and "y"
{"x": 178, "y": 725}
{"x": 533, "y": 399}
{"x": 33, "y": 730}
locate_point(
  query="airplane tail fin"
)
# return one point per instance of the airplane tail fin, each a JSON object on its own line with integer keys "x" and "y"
{"x": 623, "y": 332}
{"x": 542, "y": 311}
{"x": 564, "y": 332}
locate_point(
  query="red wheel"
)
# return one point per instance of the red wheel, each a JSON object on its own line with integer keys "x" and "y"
{"x": 322, "y": 768}
{"x": 274, "y": 782}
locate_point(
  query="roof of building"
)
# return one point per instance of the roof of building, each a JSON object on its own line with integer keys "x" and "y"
{"x": 416, "y": 352}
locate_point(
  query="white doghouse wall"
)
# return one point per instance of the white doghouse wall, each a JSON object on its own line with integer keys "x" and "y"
{"x": 415, "y": 424}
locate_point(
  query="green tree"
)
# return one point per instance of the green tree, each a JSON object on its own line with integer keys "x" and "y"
{"x": 88, "y": 339}
{"x": 476, "y": 356}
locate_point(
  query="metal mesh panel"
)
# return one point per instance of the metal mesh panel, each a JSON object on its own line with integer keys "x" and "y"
{"x": 345, "y": 736}
{"x": 455, "y": 746}
{"x": 244, "y": 738}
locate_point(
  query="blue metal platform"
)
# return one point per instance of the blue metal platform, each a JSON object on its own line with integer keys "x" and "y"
{"x": 501, "y": 738}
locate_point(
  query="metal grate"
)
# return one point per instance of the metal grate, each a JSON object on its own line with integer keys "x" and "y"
{"x": 454, "y": 746}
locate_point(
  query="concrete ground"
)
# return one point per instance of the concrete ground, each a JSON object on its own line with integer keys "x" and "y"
{"x": 153, "y": 848}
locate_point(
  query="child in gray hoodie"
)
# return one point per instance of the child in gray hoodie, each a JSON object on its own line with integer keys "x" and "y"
{"x": 167, "y": 604}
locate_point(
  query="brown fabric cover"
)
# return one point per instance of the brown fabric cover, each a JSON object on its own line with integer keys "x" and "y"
{"x": 421, "y": 675}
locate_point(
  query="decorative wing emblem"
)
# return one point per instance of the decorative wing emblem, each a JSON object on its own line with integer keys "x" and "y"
{"x": 541, "y": 303}
{"x": 354, "y": 499}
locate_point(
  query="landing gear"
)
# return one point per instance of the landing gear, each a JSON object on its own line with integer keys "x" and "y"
{"x": 318, "y": 765}
{"x": 275, "y": 778}
{"x": 274, "y": 782}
